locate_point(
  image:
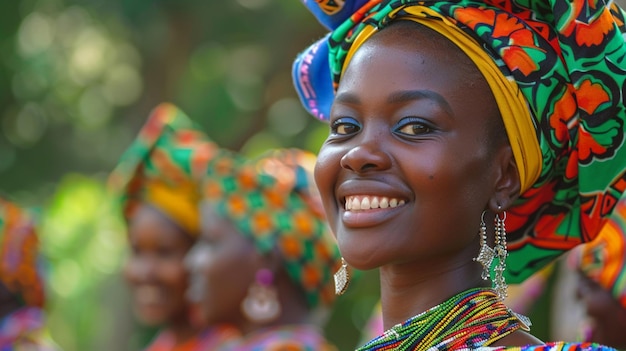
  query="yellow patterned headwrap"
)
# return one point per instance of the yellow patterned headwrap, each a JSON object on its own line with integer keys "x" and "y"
{"x": 163, "y": 165}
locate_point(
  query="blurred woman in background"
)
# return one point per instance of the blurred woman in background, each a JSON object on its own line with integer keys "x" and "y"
{"x": 601, "y": 284}
{"x": 264, "y": 260}
{"x": 156, "y": 177}
{"x": 22, "y": 295}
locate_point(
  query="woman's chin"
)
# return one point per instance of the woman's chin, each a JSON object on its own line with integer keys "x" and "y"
{"x": 197, "y": 316}
{"x": 151, "y": 318}
{"x": 362, "y": 261}
{"x": 361, "y": 257}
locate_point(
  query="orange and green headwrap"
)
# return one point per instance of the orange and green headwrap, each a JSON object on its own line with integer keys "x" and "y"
{"x": 19, "y": 255}
{"x": 557, "y": 70}
{"x": 273, "y": 201}
{"x": 604, "y": 259}
{"x": 162, "y": 167}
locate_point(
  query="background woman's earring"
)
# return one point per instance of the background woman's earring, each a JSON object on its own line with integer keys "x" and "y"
{"x": 486, "y": 254}
{"x": 261, "y": 304}
{"x": 342, "y": 278}
{"x": 501, "y": 253}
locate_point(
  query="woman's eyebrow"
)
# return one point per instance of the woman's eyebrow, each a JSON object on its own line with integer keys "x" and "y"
{"x": 348, "y": 98}
{"x": 402, "y": 96}
{"x": 420, "y": 94}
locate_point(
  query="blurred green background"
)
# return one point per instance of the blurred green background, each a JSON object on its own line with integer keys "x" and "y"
{"x": 78, "y": 79}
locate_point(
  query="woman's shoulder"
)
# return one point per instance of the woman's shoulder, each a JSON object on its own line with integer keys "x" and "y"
{"x": 554, "y": 346}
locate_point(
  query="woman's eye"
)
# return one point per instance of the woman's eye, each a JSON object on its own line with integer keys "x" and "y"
{"x": 345, "y": 126}
{"x": 413, "y": 126}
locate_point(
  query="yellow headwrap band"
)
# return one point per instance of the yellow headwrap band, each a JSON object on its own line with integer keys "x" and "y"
{"x": 511, "y": 102}
{"x": 179, "y": 203}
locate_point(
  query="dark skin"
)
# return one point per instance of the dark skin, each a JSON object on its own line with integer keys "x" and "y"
{"x": 411, "y": 126}
{"x": 607, "y": 317}
{"x": 223, "y": 264}
{"x": 155, "y": 271}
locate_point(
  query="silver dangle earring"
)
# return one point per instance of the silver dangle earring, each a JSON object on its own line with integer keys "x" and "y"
{"x": 486, "y": 254}
{"x": 261, "y": 304}
{"x": 501, "y": 253}
{"x": 498, "y": 280}
{"x": 342, "y": 278}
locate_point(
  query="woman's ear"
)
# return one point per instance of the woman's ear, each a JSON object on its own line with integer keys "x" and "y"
{"x": 508, "y": 185}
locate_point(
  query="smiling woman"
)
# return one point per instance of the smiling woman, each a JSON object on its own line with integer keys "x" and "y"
{"x": 264, "y": 259}
{"x": 157, "y": 181}
{"x": 444, "y": 115}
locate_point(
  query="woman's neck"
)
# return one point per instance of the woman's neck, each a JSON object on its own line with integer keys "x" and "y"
{"x": 411, "y": 288}
{"x": 181, "y": 332}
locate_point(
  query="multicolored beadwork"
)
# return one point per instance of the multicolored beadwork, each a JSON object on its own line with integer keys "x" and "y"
{"x": 469, "y": 320}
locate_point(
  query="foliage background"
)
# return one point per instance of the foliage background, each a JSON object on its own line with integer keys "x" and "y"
{"x": 77, "y": 80}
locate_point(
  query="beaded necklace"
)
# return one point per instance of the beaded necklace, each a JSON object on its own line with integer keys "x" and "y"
{"x": 468, "y": 320}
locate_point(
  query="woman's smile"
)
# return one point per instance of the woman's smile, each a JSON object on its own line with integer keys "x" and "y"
{"x": 368, "y": 218}
{"x": 371, "y": 202}
{"x": 366, "y": 203}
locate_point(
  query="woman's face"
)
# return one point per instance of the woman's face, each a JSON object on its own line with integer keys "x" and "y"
{"x": 222, "y": 266}
{"x": 155, "y": 269}
{"x": 404, "y": 172}
{"x": 606, "y": 317}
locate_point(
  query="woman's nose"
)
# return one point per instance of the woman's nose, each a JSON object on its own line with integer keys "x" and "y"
{"x": 140, "y": 268}
{"x": 368, "y": 155}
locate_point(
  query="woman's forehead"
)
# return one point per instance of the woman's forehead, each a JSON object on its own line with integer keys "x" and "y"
{"x": 393, "y": 62}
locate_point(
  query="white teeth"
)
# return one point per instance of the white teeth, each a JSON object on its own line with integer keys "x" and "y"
{"x": 365, "y": 203}
{"x": 360, "y": 202}
{"x": 374, "y": 203}
{"x": 355, "y": 205}
{"x": 384, "y": 202}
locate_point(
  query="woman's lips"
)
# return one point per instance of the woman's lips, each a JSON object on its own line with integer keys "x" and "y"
{"x": 149, "y": 295}
{"x": 363, "y": 211}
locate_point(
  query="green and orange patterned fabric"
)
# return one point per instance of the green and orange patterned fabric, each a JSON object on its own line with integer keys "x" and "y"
{"x": 273, "y": 201}
{"x": 163, "y": 165}
{"x": 568, "y": 60}
{"x": 20, "y": 269}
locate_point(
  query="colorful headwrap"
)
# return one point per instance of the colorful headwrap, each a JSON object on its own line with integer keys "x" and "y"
{"x": 332, "y": 13}
{"x": 19, "y": 255}
{"x": 568, "y": 61}
{"x": 162, "y": 167}
{"x": 273, "y": 201}
{"x": 604, "y": 259}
